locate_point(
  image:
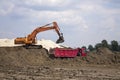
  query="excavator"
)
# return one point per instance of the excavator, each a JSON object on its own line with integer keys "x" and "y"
{"x": 30, "y": 40}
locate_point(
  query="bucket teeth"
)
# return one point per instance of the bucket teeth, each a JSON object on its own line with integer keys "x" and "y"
{"x": 60, "y": 40}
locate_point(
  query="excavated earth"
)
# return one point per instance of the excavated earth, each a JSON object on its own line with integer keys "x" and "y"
{"x": 19, "y": 63}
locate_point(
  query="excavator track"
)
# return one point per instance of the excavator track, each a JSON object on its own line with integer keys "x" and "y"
{"x": 33, "y": 46}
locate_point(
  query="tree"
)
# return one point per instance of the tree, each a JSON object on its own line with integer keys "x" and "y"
{"x": 114, "y": 45}
{"x": 109, "y": 46}
{"x": 119, "y": 48}
{"x": 104, "y": 43}
{"x": 84, "y": 47}
{"x": 98, "y": 45}
{"x": 90, "y": 47}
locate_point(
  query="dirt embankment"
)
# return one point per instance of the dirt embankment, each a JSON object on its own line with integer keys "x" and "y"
{"x": 18, "y": 63}
{"x": 103, "y": 56}
{"x": 20, "y": 56}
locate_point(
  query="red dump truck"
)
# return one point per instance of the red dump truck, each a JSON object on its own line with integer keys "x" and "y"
{"x": 68, "y": 52}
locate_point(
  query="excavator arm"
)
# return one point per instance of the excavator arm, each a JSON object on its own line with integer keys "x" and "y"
{"x": 31, "y": 38}
{"x": 57, "y": 29}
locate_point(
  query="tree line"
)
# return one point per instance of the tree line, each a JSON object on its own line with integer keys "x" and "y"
{"x": 114, "y": 45}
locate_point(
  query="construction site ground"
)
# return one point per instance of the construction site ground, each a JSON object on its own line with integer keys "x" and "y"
{"x": 19, "y": 63}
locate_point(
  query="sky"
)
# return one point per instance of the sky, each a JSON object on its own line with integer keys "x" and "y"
{"x": 82, "y": 22}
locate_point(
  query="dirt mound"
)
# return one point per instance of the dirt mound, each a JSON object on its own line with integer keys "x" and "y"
{"x": 20, "y": 56}
{"x": 103, "y": 56}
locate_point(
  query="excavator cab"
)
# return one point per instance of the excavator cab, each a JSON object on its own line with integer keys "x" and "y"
{"x": 61, "y": 39}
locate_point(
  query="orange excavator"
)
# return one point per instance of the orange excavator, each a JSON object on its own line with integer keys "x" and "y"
{"x": 30, "y": 40}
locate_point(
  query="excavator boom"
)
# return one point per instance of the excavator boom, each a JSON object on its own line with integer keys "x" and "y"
{"x": 31, "y": 38}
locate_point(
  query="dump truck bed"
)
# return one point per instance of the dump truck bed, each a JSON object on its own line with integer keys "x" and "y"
{"x": 69, "y": 52}
{"x": 64, "y": 52}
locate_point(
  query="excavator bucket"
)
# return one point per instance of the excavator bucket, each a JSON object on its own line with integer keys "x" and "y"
{"x": 60, "y": 40}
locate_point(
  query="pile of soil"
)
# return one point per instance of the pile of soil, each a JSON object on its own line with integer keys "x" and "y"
{"x": 20, "y": 56}
{"x": 103, "y": 56}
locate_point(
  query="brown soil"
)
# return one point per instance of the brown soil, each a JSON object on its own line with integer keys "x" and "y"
{"x": 18, "y": 63}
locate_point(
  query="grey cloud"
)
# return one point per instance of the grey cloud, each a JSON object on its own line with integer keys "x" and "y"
{"x": 6, "y": 7}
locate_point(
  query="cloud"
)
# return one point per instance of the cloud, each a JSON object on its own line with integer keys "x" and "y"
{"x": 6, "y": 7}
{"x": 46, "y": 2}
{"x": 69, "y": 18}
{"x": 109, "y": 23}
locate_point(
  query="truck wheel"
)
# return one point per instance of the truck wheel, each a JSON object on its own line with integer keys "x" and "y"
{"x": 26, "y": 46}
{"x": 78, "y": 54}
